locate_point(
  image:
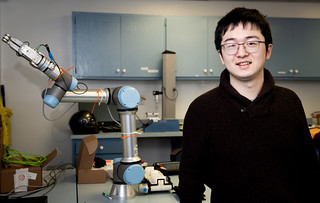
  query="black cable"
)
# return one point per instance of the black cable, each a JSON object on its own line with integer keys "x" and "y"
{"x": 165, "y": 94}
{"x": 143, "y": 124}
{"x": 85, "y": 90}
{"x": 61, "y": 73}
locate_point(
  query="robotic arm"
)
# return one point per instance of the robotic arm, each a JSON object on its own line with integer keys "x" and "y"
{"x": 63, "y": 81}
{"x": 127, "y": 171}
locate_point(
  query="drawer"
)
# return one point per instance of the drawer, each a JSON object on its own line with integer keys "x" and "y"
{"x": 109, "y": 156}
{"x": 109, "y": 145}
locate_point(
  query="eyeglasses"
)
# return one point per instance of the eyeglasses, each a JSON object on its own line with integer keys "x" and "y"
{"x": 249, "y": 46}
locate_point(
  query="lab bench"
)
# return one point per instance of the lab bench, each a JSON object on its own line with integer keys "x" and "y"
{"x": 156, "y": 144}
{"x": 67, "y": 190}
{"x": 93, "y": 193}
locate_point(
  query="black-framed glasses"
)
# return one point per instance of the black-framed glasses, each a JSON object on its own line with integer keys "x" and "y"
{"x": 249, "y": 46}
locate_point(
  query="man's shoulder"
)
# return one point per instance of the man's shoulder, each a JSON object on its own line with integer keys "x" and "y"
{"x": 285, "y": 95}
{"x": 210, "y": 95}
{"x": 209, "y": 98}
{"x": 283, "y": 91}
{"x": 206, "y": 102}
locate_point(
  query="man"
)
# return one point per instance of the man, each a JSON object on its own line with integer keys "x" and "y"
{"x": 247, "y": 139}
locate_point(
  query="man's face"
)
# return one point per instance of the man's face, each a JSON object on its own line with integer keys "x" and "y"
{"x": 242, "y": 65}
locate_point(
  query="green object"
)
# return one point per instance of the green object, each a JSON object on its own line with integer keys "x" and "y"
{"x": 12, "y": 156}
{"x": 106, "y": 195}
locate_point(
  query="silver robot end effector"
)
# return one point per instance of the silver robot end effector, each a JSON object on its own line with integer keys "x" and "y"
{"x": 63, "y": 81}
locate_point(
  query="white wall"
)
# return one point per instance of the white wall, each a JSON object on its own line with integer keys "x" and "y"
{"x": 47, "y": 21}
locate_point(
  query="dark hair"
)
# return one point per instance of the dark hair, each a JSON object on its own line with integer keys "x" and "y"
{"x": 244, "y": 16}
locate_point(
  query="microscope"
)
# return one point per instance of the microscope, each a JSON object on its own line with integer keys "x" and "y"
{"x": 128, "y": 171}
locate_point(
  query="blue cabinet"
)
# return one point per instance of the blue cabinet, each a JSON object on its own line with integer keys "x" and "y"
{"x": 125, "y": 46}
{"x": 96, "y": 44}
{"x": 112, "y": 46}
{"x": 187, "y": 37}
{"x": 281, "y": 61}
{"x": 142, "y": 44}
{"x": 307, "y": 43}
{"x": 295, "y": 48}
{"x": 214, "y": 62}
{"x": 192, "y": 38}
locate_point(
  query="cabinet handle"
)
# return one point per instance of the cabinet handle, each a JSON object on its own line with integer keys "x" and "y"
{"x": 101, "y": 147}
{"x": 205, "y": 70}
{"x": 296, "y": 71}
{"x": 211, "y": 70}
{"x": 124, "y": 70}
{"x": 118, "y": 70}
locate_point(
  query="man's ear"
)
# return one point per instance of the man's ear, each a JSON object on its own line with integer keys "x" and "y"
{"x": 221, "y": 57}
{"x": 269, "y": 50}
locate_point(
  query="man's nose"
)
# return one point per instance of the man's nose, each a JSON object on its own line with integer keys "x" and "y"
{"x": 242, "y": 50}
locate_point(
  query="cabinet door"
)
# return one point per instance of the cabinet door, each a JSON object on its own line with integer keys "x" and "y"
{"x": 96, "y": 44}
{"x": 306, "y": 52}
{"x": 142, "y": 44}
{"x": 282, "y": 55}
{"x": 215, "y": 66}
{"x": 295, "y": 48}
{"x": 187, "y": 36}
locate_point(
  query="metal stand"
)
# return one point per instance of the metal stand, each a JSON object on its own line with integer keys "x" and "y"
{"x": 122, "y": 192}
{"x": 169, "y": 85}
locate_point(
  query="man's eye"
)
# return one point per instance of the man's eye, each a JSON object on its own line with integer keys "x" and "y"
{"x": 231, "y": 46}
{"x": 252, "y": 44}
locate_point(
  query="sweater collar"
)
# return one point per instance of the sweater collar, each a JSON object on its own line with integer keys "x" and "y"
{"x": 258, "y": 107}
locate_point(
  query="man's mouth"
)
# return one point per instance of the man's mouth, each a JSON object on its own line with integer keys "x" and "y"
{"x": 243, "y": 63}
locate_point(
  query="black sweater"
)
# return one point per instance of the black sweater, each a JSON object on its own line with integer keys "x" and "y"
{"x": 248, "y": 151}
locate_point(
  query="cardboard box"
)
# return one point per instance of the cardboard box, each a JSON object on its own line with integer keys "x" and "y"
{"x": 7, "y": 174}
{"x": 85, "y": 159}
